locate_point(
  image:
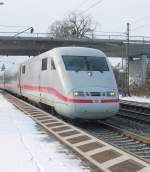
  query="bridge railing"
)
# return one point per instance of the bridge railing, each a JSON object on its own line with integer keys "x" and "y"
{"x": 123, "y": 37}
{"x": 12, "y": 34}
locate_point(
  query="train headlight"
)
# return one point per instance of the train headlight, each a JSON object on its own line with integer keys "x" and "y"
{"x": 111, "y": 93}
{"x": 78, "y": 93}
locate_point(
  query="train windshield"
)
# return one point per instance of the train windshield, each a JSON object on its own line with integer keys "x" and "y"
{"x": 85, "y": 63}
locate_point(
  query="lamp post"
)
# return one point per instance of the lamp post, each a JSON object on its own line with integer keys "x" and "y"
{"x": 30, "y": 28}
{"x": 128, "y": 59}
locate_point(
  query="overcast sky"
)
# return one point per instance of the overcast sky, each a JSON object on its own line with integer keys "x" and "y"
{"x": 112, "y": 15}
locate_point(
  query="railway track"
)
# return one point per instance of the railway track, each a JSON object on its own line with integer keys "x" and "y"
{"x": 134, "y": 117}
{"x": 141, "y": 111}
{"x": 94, "y": 149}
{"x": 137, "y": 145}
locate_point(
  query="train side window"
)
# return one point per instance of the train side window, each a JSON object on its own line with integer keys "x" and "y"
{"x": 44, "y": 64}
{"x": 52, "y": 65}
{"x": 23, "y": 69}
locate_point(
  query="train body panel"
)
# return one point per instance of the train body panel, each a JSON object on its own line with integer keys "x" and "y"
{"x": 12, "y": 79}
{"x": 78, "y": 82}
{"x": 1, "y": 79}
{"x": 30, "y": 80}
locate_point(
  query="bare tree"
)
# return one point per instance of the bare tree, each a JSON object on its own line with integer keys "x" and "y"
{"x": 73, "y": 26}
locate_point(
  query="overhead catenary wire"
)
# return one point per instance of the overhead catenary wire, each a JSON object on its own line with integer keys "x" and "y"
{"x": 81, "y": 4}
{"x": 92, "y": 6}
{"x": 139, "y": 27}
{"x": 141, "y": 19}
{"x": 78, "y": 7}
{"x": 136, "y": 21}
{"x": 8, "y": 26}
{"x": 109, "y": 32}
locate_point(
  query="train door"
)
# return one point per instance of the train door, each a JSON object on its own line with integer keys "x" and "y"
{"x": 43, "y": 80}
{"x": 32, "y": 80}
{"x": 53, "y": 73}
{"x": 35, "y": 78}
{"x": 52, "y": 83}
{"x": 47, "y": 80}
{"x": 19, "y": 81}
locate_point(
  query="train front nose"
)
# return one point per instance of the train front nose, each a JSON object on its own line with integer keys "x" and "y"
{"x": 94, "y": 104}
{"x": 96, "y": 110}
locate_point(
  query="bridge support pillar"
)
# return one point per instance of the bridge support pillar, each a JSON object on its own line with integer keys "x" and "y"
{"x": 138, "y": 71}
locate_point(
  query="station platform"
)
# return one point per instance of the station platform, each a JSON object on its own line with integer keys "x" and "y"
{"x": 26, "y": 147}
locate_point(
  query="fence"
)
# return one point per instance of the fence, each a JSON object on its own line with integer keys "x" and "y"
{"x": 121, "y": 37}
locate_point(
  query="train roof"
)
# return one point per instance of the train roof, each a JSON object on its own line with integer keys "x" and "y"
{"x": 78, "y": 51}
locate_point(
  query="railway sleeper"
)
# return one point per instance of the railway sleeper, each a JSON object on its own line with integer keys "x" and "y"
{"x": 128, "y": 143}
{"x": 118, "y": 139}
{"x": 108, "y": 135}
{"x": 146, "y": 157}
{"x": 131, "y": 146}
{"x": 123, "y": 139}
{"x": 133, "y": 149}
{"x": 143, "y": 153}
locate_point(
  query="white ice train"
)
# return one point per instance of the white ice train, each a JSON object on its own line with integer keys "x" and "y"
{"x": 77, "y": 82}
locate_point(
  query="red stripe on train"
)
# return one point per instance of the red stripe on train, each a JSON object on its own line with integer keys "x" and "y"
{"x": 64, "y": 98}
{"x": 55, "y": 93}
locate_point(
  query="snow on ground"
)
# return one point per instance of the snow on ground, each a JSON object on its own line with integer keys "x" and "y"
{"x": 136, "y": 99}
{"x": 25, "y": 147}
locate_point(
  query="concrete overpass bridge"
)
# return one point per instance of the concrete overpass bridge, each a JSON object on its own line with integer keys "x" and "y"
{"x": 30, "y": 46}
